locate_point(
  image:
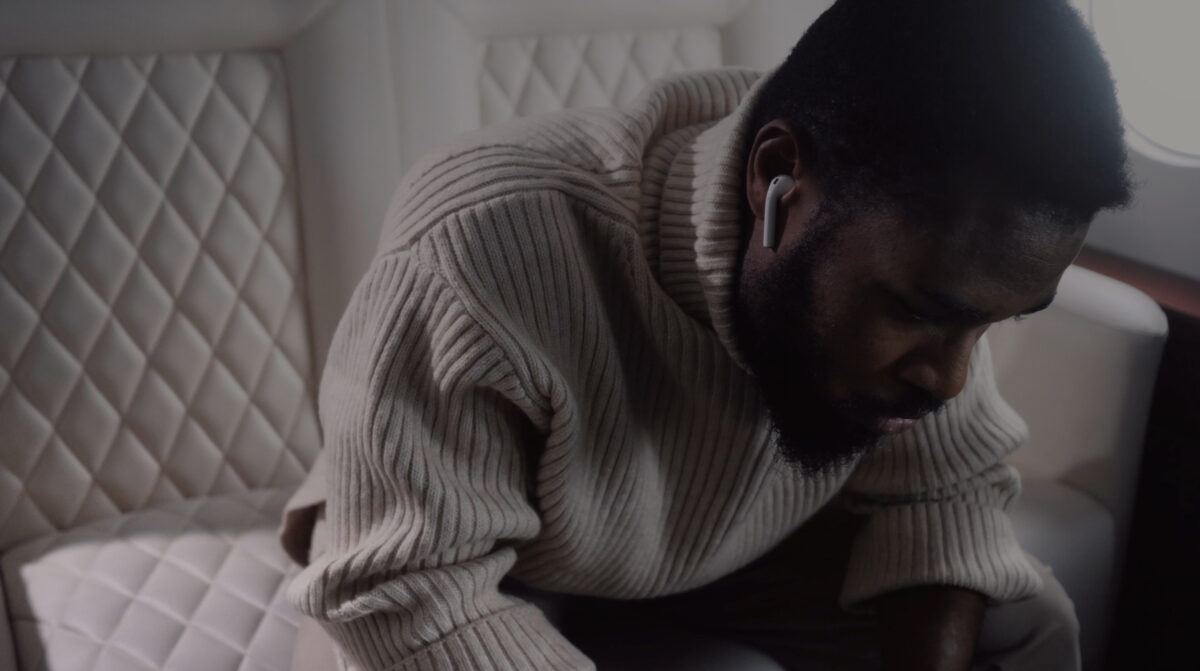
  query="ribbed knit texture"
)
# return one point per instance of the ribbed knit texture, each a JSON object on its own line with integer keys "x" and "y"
{"x": 537, "y": 377}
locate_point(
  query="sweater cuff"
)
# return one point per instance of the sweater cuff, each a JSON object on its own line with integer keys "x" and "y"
{"x": 515, "y": 639}
{"x": 955, "y": 544}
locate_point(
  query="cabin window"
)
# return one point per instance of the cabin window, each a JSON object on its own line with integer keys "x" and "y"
{"x": 1153, "y": 50}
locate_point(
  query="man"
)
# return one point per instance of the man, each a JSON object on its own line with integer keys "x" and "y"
{"x": 579, "y": 364}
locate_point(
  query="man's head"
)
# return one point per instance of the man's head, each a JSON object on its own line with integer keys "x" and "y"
{"x": 947, "y": 157}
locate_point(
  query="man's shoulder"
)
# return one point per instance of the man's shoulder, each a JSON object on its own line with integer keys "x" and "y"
{"x": 579, "y": 154}
{"x": 591, "y": 155}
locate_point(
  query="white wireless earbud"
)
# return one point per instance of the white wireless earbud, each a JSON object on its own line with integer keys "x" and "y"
{"x": 775, "y": 191}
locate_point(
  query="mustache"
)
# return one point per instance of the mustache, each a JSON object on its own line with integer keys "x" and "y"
{"x": 917, "y": 405}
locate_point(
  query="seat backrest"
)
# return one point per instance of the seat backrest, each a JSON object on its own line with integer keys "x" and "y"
{"x": 1082, "y": 376}
{"x": 154, "y": 329}
{"x": 462, "y": 64}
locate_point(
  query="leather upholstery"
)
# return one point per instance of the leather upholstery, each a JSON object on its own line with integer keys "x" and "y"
{"x": 155, "y": 363}
{"x": 155, "y": 342}
{"x": 196, "y": 584}
{"x": 1047, "y": 513}
{"x": 520, "y": 76}
{"x": 1082, "y": 374}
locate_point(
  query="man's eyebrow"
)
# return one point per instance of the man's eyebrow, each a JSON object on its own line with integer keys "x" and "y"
{"x": 959, "y": 309}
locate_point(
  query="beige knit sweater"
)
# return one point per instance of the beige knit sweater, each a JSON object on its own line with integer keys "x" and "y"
{"x": 537, "y": 377}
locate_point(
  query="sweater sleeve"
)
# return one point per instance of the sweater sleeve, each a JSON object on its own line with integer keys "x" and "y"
{"x": 936, "y": 497}
{"x": 427, "y": 445}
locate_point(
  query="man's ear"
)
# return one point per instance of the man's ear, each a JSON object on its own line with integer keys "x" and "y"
{"x": 778, "y": 150}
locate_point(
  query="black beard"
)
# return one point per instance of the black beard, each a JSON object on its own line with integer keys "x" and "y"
{"x": 774, "y": 331}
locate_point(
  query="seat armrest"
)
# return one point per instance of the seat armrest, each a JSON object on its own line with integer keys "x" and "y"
{"x": 1082, "y": 375}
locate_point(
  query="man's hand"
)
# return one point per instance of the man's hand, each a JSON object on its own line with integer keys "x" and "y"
{"x": 929, "y": 628}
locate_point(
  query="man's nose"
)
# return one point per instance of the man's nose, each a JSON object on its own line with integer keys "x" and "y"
{"x": 941, "y": 367}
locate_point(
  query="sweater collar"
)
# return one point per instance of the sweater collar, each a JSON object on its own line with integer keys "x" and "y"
{"x": 699, "y": 206}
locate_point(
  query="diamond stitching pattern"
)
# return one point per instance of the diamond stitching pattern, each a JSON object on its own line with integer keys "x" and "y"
{"x": 202, "y": 579}
{"x": 151, "y": 288}
{"x": 528, "y": 75}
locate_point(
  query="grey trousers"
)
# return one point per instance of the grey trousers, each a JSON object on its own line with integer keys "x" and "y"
{"x": 778, "y": 613}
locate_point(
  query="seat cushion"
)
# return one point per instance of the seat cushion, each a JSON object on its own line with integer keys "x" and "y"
{"x": 195, "y": 584}
{"x": 1075, "y": 535}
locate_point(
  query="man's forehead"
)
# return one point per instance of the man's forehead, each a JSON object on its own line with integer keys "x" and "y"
{"x": 1002, "y": 256}
{"x": 1002, "y": 237}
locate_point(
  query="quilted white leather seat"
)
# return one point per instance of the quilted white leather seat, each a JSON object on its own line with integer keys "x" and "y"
{"x": 192, "y": 584}
{"x": 159, "y": 160}
{"x": 155, "y": 352}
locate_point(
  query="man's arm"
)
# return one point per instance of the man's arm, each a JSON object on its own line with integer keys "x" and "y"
{"x": 427, "y": 488}
{"x": 935, "y": 498}
{"x": 929, "y": 628}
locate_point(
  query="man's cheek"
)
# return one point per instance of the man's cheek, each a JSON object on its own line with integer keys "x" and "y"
{"x": 865, "y": 353}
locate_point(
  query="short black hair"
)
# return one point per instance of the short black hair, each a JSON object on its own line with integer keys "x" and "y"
{"x": 901, "y": 98}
